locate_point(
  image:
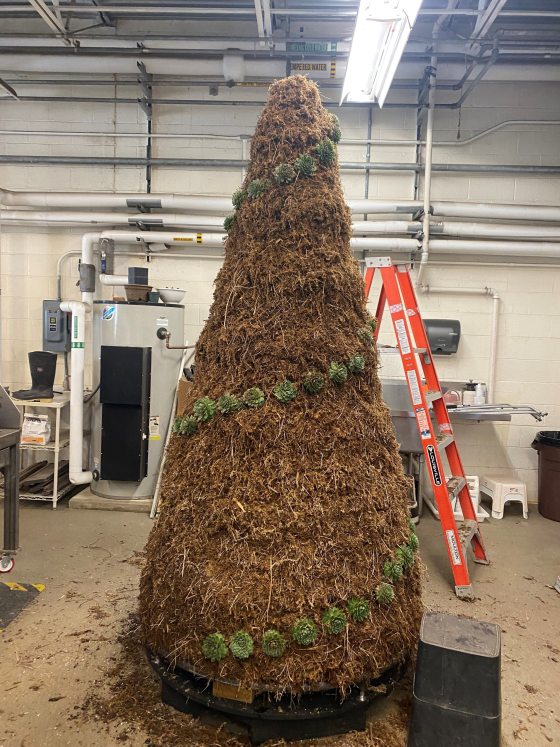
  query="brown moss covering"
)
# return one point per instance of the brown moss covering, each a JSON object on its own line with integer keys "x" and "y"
{"x": 273, "y": 514}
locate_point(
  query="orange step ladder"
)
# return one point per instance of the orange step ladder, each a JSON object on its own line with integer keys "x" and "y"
{"x": 436, "y": 437}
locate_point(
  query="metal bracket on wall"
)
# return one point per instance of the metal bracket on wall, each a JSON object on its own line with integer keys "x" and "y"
{"x": 145, "y": 80}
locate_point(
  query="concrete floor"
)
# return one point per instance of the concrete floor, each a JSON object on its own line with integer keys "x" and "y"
{"x": 62, "y": 642}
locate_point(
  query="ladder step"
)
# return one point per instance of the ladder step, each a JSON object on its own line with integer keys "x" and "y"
{"x": 454, "y": 486}
{"x": 466, "y": 530}
{"x": 443, "y": 440}
{"x": 432, "y": 395}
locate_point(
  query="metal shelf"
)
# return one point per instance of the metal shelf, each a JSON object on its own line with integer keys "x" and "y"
{"x": 64, "y": 440}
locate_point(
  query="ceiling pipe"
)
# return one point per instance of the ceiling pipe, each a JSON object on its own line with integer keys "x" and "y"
{"x": 223, "y": 205}
{"x": 234, "y": 163}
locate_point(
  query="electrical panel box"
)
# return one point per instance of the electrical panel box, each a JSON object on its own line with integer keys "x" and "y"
{"x": 56, "y": 328}
{"x": 443, "y": 335}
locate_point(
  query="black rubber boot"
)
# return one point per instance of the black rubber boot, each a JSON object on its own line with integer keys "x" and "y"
{"x": 43, "y": 370}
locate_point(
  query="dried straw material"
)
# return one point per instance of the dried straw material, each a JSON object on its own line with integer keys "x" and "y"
{"x": 280, "y": 512}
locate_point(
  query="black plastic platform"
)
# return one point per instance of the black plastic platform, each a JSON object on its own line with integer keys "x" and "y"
{"x": 308, "y": 716}
{"x": 456, "y": 696}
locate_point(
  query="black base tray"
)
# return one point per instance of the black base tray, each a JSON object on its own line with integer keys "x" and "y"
{"x": 308, "y": 716}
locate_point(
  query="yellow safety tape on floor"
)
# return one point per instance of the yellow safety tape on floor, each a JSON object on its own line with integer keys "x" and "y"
{"x": 14, "y": 586}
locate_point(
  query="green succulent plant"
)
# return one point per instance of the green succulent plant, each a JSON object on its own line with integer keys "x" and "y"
{"x": 238, "y": 198}
{"x": 214, "y": 647}
{"x": 305, "y": 631}
{"x": 204, "y": 409}
{"x": 413, "y": 541}
{"x": 334, "y": 620}
{"x": 358, "y": 609}
{"x": 273, "y": 643}
{"x": 284, "y": 174}
{"x": 305, "y": 165}
{"x": 373, "y": 324}
{"x": 176, "y": 428}
{"x": 411, "y": 526}
{"x": 393, "y": 570}
{"x": 241, "y": 645}
{"x": 253, "y": 397}
{"x": 326, "y": 152}
{"x": 229, "y": 220}
{"x": 357, "y": 364}
{"x": 285, "y": 391}
{"x": 405, "y": 555}
{"x": 335, "y": 133}
{"x": 384, "y": 593}
{"x": 257, "y": 188}
{"x": 313, "y": 382}
{"x": 188, "y": 426}
{"x": 338, "y": 373}
{"x": 365, "y": 335}
{"x": 229, "y": 403}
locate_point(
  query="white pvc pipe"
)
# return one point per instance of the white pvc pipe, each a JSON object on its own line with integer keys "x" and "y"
{"x": 165, "y": 237}
{"x": 76, "y": 472}
{"x": 514, "y": 231}
{"x": 222, "y": 205}
{"x": 495, "y": 211}
{"x": 105, "y": 279}
{"x": 67, "y": 217}
{"x": 107, "y": 200}
{"x": 504, "y": 248}
{"x": 385, "y": 244}
{"x": 384, "y": 226}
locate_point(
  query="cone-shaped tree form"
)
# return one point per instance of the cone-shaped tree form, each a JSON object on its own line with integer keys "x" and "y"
{"x": 287, "y": 507}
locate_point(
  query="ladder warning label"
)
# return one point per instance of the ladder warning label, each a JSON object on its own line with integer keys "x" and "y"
{"x": 395, "y": 307}
{"x": 432, "y": 459}
{"x": 402, "y": 336}
{"x": 423, "y": 424}
{"x": 453, "y": 547}
{"x": 414, "y": 387}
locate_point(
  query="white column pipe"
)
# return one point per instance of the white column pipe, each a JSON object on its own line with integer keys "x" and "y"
{"x": 494, "y": 326}
{"x": 75, "y": 470}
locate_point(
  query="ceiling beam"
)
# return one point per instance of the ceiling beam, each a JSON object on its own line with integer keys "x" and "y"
{"x": 54, "y": 23}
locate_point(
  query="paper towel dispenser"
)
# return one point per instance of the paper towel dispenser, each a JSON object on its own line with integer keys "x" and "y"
{"x": 443, "y": 335}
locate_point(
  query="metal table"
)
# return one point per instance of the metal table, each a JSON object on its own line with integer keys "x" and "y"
{"x": 10, "y": 433}
{"x": 9, "y": 464}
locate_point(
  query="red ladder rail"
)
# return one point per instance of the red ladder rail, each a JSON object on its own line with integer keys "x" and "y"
{"x": 398, "y": 292}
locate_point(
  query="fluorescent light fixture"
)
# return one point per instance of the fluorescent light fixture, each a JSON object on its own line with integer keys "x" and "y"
{"x": 381, "y": 34}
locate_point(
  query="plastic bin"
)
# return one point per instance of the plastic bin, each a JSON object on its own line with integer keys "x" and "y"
{"x": 547, "y": 444}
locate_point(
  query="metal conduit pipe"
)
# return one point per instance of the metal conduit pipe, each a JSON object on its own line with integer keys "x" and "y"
{"x": 238, "y": 163}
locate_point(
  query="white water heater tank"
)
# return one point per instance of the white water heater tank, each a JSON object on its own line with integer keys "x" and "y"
{"x": 137, "y": 378}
